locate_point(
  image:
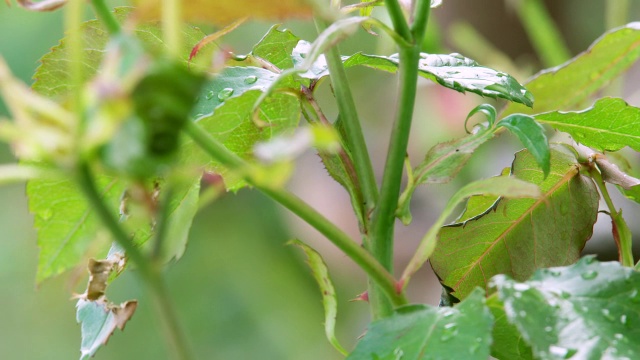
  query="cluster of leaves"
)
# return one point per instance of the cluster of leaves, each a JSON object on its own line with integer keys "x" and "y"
{"x": 537, "y": 214}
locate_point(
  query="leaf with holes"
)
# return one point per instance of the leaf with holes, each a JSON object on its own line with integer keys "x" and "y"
{"x": 574, "y": 82}
{"x": 420, "y": 332}
{"x": 609, "y": 125}
{"x": 517, "y": 236}
{"x": 584, "y": 311}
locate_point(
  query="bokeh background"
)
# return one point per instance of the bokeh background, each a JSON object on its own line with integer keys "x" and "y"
{"x": 240, "y": 292}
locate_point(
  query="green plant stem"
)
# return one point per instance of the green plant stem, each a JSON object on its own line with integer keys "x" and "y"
{"x": 616, "y": 14}
{"x": 397, "y": 18}
{"x": 624, "y": 234}
{"x": 383, "y": 221}
{"x": 106, "y": 16}
{"x": 354, "y": 251}
{"x": 149, "y": 274}
{"x": 349, "y": 116}
{"x": 543, "y": 32}
{"x": 161, "y": 222}
{"x": 171, "y": 20}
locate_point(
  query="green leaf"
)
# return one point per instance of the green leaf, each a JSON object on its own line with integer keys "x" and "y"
{"x": 183, "y": 207}
{"x": 417, "y": 332}
{"x": 229, "y": 83}
{"x": 572, "y": 83}
{"x": 99, "y": 320}
{"x": 329, "y": 298}
{"x": 455, "y": 72}
{"x": 609, "y": 125}
{"x": 444, "y": 161}
{"x": 584, "y": 311}
{"x": 532, "y": 136}
{"x": 276, "y": 47}
{"x": 496, "y": 186}
{"x": 65, "y": 224}
{"x": 520, "y": 235}
{"x": 479, "y": 204}
{"x": 52, "y": 77}
{"x": 508, "y": 343}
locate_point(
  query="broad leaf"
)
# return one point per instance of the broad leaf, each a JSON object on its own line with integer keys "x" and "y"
{"x": 455, "y": 72}
{"x": 65, "y": 223}
{"x": 479, "y": 204}
{"x": 418, "y": 332}
{"x": 532, "y": 136}
{"x": 224, "y": 12}
{"x": 329, "y": 299}
{"x": 182, "y": 209}
{"x": 508, "y": 343}
{"x": 584, "y": 311}
{"x": 609, "y": 125}
{"x": 572, "y": 83}
{"x": 53, "y": 78}
{"x": 520, "y": 235}
{"x": 496, "y": 186}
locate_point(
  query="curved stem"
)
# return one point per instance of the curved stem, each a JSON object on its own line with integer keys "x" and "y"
{"x": 354, "y": 251}
{"x": 398, "y": 19}
{"x": 150, "y": 274}
{"x": 621, "y": 232}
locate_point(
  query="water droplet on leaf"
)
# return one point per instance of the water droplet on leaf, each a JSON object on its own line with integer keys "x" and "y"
{"x": 225, "y": 93}
{"x": 210, "y": 95}
{"x": 589, "y": 275}
{"x": 623, "y": 319}
{"x": 251, "y": 79}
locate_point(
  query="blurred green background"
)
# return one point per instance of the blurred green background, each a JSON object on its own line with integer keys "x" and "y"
{"x": 241, "y": 293}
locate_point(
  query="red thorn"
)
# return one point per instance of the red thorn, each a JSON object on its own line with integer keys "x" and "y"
{"x": 362, "y": 297}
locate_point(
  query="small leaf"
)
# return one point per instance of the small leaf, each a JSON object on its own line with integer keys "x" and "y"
{"x": 609, "y": 125}
{"x": 584, "y": 311}
{"x": 455, "y": 72}
{"x": 329, "y": 298}
{"x": 613, "y": 175}
{"x": 420, "y": 332}
{"x": 496, "y": 186}
{"x": 488, "y": 110}
{"x": 520, "y": 235}
{"x": 633, "y": 193}
{"x": 441, "y": 164}
{"x": 570, "y": 84}
{"x": 532, "y": 136}
{"x": 99, "y": 320}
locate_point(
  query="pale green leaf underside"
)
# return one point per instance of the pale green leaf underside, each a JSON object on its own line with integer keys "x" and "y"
{"x": 517, "y": 236}
{"x": 571, "y": 84}
{"x": 418, "y": 332}
{"x": 531, "y": 135}
{"x": 609, "y": 125}
{"x": 508, "y": 343}
{"x": 585, "y": 311}
{"x": 98, "y": 320}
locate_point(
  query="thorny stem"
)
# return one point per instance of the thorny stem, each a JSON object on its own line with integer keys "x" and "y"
{"x": 150, "y": 274}
{"x": 354, "y": 251}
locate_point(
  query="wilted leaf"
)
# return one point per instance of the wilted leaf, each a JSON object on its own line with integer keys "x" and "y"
{"x": 455, "y": 72}
{"x": 329, "y": 298}
{"x": 613, "y": 175}
{"x": 584, "y": 311}
{"x": 224, "y": 12}
{"x": 609, "y": 125}
{"x": 570, "y": 84}
{"x": 43, "y": 5}
{"x": 532, "y": 136}
{"x": 520, "y": 235}
{"x": 496, "y": 186}
{"x": 420, "y": 332}
{"x": 633, "y": 193}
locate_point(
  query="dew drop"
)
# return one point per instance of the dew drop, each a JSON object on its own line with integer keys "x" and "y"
{"x": 522, "y": 313}
{"x": 450, "y": 331}
{"x": 589, "y": 259}
{"x": 618, "y": 336}
{"x": 251, "y": 79}
{"x": 225, "y": 93}
{"x": 303, "y": 55}
{"x": 548, "y": 328}
{"x": 521, "y": 287}
{"x": 448, "y": 313}
{"x": 589, "y": 275}
{"x": 607, "y": 314}
{"x": 555, "y": 273}
{"x": 564, "y": 294}
{"x": 210, "y": 95}
{"x": 561, "y": 352}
